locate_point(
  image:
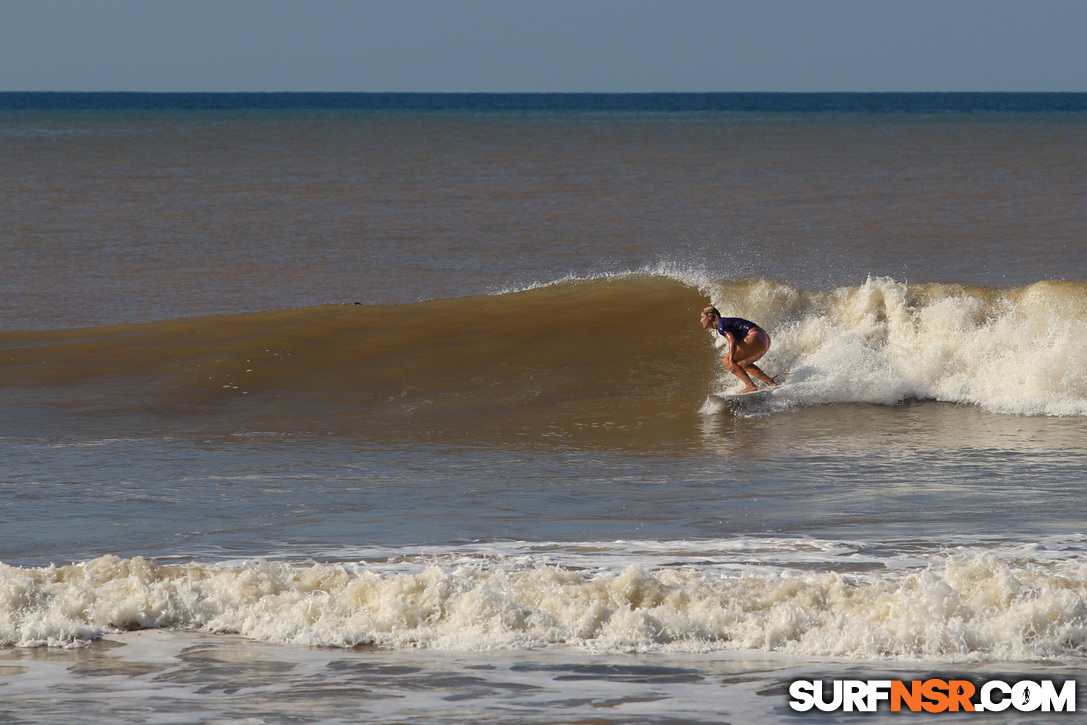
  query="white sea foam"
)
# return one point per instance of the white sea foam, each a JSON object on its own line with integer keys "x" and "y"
{"x": 798, "y": 597}
{"x": 1019, "y": 351}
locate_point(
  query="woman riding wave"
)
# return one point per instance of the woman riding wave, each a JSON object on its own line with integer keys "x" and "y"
{"x": 747, "y": 342}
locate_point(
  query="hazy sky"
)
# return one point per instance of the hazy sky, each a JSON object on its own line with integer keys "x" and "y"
{"x": 543, "y": 45}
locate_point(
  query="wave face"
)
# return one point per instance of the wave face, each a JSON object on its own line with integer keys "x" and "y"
{"x": 968, "y": 604}
{"x": 610, "y": 354}
{"x": 619, "y": 358}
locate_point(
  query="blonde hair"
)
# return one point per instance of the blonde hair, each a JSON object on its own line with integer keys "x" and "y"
{"x": 711, "y": 310}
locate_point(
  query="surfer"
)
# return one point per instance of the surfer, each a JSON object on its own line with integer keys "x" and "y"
{"x": 747, "y": 342}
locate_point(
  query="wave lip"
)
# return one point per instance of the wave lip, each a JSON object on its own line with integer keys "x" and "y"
{"x": 972, "y": 604}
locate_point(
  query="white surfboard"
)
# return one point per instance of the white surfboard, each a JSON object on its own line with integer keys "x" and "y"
{"x": 761, "y": 395}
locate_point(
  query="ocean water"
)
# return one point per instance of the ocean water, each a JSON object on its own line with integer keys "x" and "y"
{"x": 327, "y": 408}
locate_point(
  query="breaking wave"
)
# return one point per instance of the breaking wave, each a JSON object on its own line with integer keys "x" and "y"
{"x": 622, "y": 356}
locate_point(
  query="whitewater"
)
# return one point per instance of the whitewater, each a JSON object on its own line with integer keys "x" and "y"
{"x": 965, "y": 603}
{"x": 1016, "y": 351}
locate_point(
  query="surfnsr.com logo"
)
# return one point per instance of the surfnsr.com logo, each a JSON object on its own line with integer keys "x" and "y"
{"x": 933, "y": 695}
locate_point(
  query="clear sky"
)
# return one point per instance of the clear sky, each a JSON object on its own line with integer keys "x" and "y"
{"x": 543, "y": 45}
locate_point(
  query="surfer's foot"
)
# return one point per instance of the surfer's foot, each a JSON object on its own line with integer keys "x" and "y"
{"x": 773, "y": 382}
{"x": 748, "y": 389}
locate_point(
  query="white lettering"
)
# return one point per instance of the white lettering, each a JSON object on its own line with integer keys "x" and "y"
{"x": 803, "y": 694}
{"x": 1065, "y": 701}
{"x": 835, "y": 702}
{"x": 878, "y": 690}
{"x": 1026, "y": 696}
{"x": 987, "y": 699}
{"x": 855, "y": 695}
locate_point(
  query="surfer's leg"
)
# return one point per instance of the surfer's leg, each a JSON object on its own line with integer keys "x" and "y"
{"x": 740, "y": 371}
{"x": 755, "y": 371}
{"x": 747, "y": 352}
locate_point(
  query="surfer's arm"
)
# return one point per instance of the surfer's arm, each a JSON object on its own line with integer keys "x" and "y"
{"x": 730, "y": 347}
